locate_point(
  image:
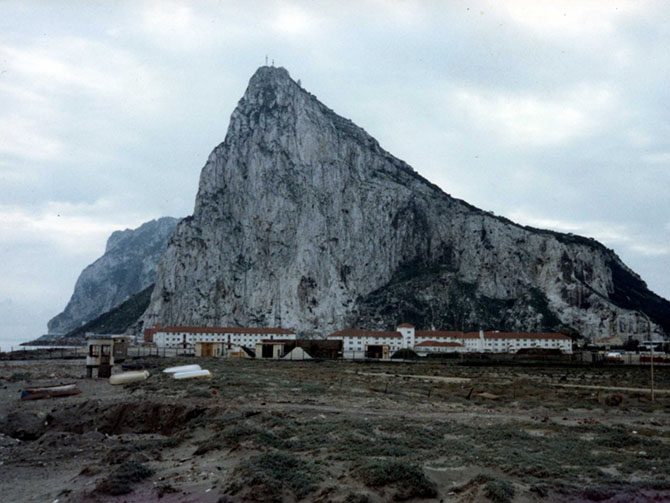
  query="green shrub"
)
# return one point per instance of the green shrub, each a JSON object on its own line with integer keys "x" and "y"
{"x": 617, "y": 437}
{"x": 356, "y": 498}
{"x": 499, "y": 491}
{"x": 405, "y": 354}
{"x": 268, "y": 472}
{"x": 200, "y": 393}
{"x": 122, "y": 479}
{"x": 20, "y": 376}
{"x": 408, "y": 478}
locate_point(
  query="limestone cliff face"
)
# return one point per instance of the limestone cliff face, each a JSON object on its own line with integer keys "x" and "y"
{"x": 302, "y": 220}
{"x": 127, "y": 267}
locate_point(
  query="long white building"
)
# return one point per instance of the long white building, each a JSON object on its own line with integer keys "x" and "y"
{"x": 187, "y": 336}
{"x": 359, "y": 343}
{"x": 355, "y": 343}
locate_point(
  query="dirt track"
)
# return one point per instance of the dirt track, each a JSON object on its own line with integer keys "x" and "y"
{"x": 615, "y": 388}
{"x": 335, "y": 431}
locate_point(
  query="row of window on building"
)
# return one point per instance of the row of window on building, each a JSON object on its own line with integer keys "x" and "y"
{"x": 431, "y": 341}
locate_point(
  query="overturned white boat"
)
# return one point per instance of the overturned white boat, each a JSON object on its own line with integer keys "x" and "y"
{"x": 192, "y": 374}
{"x": 128, "y": 377}
{"x": 182, "y": 368}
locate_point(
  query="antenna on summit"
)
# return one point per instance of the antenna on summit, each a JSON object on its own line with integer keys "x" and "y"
{"x": 266, "y": 60}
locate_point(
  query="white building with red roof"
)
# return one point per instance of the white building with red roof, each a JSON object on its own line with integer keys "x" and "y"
{"x": 361, "y": 343}
{"x": 511, "y": 342}
{"x": 187, "y": 336}
{"x": 357, "y": 343}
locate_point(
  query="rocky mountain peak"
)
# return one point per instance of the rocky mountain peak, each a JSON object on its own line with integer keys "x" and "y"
{"x": 269, "y": 76}
{"x": 302, "y": 220}
{"x": 270, "y": 89}
{"x": 276, "y": 105}
{"x": 154, "y": 229}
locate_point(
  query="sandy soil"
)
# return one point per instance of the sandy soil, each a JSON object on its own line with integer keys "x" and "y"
{"x": 336, "y": 431}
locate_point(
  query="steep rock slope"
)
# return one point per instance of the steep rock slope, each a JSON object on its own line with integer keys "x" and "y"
{"x": 127, "y": 267}
{"x": 118, "y": 320}
{"x": 303, "y": 220}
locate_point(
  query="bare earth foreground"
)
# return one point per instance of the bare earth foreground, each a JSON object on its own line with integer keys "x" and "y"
{"x": 336, "y": 431}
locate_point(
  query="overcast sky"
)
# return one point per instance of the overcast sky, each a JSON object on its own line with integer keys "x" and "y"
{"x": 554, "y": 115}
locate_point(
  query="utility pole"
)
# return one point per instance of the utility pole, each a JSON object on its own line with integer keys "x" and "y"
{"x": 652, "y": 359}
{"x": 651, "y": 363}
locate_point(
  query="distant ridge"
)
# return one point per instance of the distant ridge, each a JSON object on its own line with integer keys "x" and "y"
{"x": 118, "y": 320}
{"x": 127, "y": 267}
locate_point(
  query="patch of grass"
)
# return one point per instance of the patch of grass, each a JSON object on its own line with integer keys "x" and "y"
{"x": 353, "y": 448}
{"x": 356, "y": 498}
{"x": 272, "y": 471}
{"x": 20, "y": 376}
{"x": 122, "y": 479}
{"x": 408, "y": 478}
{"x": 230, "y": 436}
{"x": 616, "y": 437}
{"x": 598, "y": 493}
{"x": 234, "y": 434}
{"x": 499, "y": 491}
{"x": 168, "y": 442}
{"x": 163, "y": 489}
{"x": 313, "y": 389}
{"x": 200, "y": 393}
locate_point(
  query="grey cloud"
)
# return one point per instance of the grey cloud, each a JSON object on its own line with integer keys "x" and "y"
{"x": 149, "y": 97}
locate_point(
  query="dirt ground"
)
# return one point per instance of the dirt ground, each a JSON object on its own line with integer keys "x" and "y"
{"x": 336, "y": 431}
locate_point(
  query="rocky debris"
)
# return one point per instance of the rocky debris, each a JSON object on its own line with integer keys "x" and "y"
{"x": 24, "y": 425}
{"x": 302, "y": 220}
{"x": 127, "y": 267}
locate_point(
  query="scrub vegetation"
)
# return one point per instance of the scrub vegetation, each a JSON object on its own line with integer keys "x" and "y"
{"x": 338, "y": 431}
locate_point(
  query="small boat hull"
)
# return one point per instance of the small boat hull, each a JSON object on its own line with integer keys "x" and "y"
{"x": 49, "y": 392}
{"x": 183, "y": 368}
{"x": 128, "y": 377}
{"x": 193, "y": 374}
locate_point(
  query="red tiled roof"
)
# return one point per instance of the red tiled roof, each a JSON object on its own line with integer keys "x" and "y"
{"x": 446, "y": 334}
{"x": 221, "y": 330}
{"x": 354, "y": 332}
{"x": 526, "y": 335}
{"x": 439, "y": 334}
{"x": 440, "y": 344}
{"x": 405, "y": 325}
{"x": 471, "y": 335}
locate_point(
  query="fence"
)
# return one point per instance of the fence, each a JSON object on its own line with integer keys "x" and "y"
{"x": 586, "y": 358}
{"x": 42, "y": 353}
{"x": 79, "y": 352}
{"x": 143, "y": 351}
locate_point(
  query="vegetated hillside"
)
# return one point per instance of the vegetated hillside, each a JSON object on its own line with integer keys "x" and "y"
{"x": 116, "y": 321}
{"x": 302, "y": 220}
{"x": 127, "y": 267}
